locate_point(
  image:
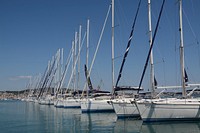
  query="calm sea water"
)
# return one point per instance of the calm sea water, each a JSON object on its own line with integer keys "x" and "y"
{"x": 26, "y": 117}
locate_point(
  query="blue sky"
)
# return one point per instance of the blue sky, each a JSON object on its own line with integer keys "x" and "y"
{"x": 31, "y": 31}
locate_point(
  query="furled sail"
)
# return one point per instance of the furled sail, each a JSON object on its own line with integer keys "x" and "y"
{"x": 88, "y": 79}
{"x": 155, "y": 81}
{"x": 128, "y": 45}
{"x": 186, "y": 76}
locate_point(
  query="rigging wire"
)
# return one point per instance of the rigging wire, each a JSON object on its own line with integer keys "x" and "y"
{"x": 147, "y": 60}
{"x": 122, "y": 22}
{"x": 194, "y": 35}
{"x": 128, "y": 45}
{"x": 74, "y": 67}
{"x": 97, "y": 47}
{"x": 198, "y": 51}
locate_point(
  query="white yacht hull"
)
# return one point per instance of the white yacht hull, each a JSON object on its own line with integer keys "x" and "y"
{"x": 36, "y": 101}
{"x": 46, "y": 102}
{"x": 169, "y": 109}
{"x": 42, "y": 102}
{"x": 124, "y": 108}
{"x": 93, "y": 105}
{"x": 72, "y": 103}
{"x": 59, "y": 103}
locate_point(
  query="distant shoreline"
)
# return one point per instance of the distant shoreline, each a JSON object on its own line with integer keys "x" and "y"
{"x": 13, "y": 94}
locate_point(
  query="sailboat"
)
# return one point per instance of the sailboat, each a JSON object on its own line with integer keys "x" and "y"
{"x": 59, "y": 96}
{"x": 125, "y": 94}
{"x": 97, "y": 101}
{"x": 46, "y": 93}
{"x": 70, "y": 98}
{"x": 73, "y": 99}
{"x": 122, "y": 103}
{"x": 166, "y": 109}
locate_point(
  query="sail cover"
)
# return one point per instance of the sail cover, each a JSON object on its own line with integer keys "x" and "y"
{"x": 186, "y": 76}
{"x": 88, "y": 79}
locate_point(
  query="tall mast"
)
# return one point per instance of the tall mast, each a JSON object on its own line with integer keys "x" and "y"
{"x": 59, "y": 63}
{"x": 75, "y": 57}
{"x": 182, "y": 51}
{"x": 62, "y": 72}
{"x": 79, "y": 58}
{"x": 87, "y": 50}
{"x": 151, "y": 54}
{"x": 113, "y": 74}
{"x": 62, "y": 60}
{"x": 87, "y": 45}
{"x": 73, "y": 60}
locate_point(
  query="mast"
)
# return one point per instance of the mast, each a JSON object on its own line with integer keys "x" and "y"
{"x": 62, "y": 72}
{"x": 88, "y": 84}
{"x": 79, "y": 58}
{"x": 58, "y": 73}
{"x": 61, "y": 68}
{"x": 97, "y": 47}
{"x": 113, "y": 74}
{"x": 153, "y": 39}
{"x": 151, "y": 54}
{"x": 87, "y": 50}
{"x": 182, "y": 51}
{"x": 75, "y": 58}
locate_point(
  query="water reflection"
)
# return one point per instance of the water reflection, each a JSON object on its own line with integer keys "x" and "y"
{"x": 71, "y": 120}
{"x": 128, "y": 125}
{"x": 20, "y": 117}
{"x": 60, "y": 119}
{"x": 172, "y": 127}
{"x": 98, "y": 122}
